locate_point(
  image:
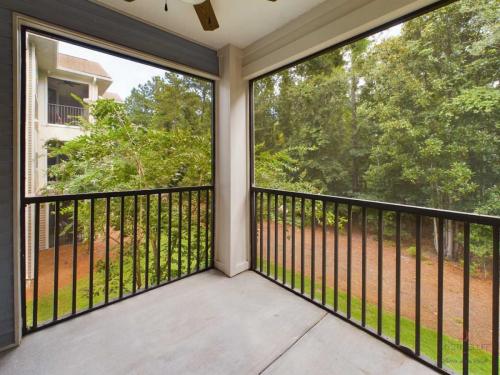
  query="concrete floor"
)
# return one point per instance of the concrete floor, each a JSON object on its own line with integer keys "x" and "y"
{"x": 207, "y": 324}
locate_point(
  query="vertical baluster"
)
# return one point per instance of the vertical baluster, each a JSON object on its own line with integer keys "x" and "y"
{"x": 261, "y": 231}
{"x": 106, "y": 274}
{"x": 313, "y": 248}
{"x": 189, "y": 232}
{"x": 91, "y": 254}
{"x": 212, "y": 231}
{"x": 134, "y": 249}
{"x": 323, "y": 256}
{"x": 465, "y": 333}
{"x": 158, "y": 239}
{"x": 336, "y": 258}
{"x": 36, "y": 265}
{"x": 207, "y": 229}
{"x": 23, "y": 257}
{"x": 75, "y": 255}
{"x": 418, "y": 265}
{"x": 179, "y": 235}
{"x": 302, "y": 243}
{"x": 293, "y": 242}
{"x": 496, "y": 302}
{"x": 56, "y": 262}
{"x": 198, "y": 229}
{"x": 284, "y": 239}
{"x": 268, "y": 233}
{"x": 122, "y": 238}
{"x": 146, "y": 266}
{"x": 276, "y": 237}
{"x": 349, "y": 258}
{"x": 169, "y": 255}
{"x": 440, "y": 292}
{"x": 380, "y": 269}
{"x": 363, "y": 265}
{"x": 398, "y": 276}
{"x": 253, "y": 230}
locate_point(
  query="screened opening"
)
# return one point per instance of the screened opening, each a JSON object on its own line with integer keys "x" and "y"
{"x": 408, "y": 115}
{"x": 344, "y": 141}
{"x": 117, "y": 174}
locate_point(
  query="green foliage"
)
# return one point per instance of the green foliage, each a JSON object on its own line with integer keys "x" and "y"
{"x": 410, "y": 118}
{"x": 272, "y": 170}
{"x": 411, "y": 251}
{"x": 160, "y": 137}
{"x": 117, "y": 154}
{"x": 481, "y": 238}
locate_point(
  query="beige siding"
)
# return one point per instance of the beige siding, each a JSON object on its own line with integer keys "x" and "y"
{"x": 30, "y": 102}
{"x": 44, "y": 225}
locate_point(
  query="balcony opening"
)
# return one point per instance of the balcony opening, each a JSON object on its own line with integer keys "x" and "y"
{"x": 362, "y": 155}
{"x": 118, "y": 193}
{"x": 66, "y": 101}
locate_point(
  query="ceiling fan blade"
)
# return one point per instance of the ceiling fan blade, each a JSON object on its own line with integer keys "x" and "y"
{"x": 207, "y": 16}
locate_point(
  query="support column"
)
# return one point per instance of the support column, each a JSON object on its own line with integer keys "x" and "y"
{"x": 232, "y": 233}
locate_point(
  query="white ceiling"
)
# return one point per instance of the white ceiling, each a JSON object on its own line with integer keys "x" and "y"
{"x": 242, "y": 22}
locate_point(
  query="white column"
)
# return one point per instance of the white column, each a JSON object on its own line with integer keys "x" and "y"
{"x": 232, "y": 233}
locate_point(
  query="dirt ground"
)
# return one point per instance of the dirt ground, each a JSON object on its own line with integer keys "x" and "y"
{"x": 46, "y": 266}
{"x": 480, "y": 288}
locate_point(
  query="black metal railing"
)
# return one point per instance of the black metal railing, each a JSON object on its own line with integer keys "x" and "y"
{"x": 65, "y": 114}
{"x": 320, "y": 248}
{"x": 124, "y": 243}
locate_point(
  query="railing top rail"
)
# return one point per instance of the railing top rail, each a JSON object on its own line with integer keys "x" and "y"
{"x": 65, "y": 106}
{"x": 111, "y": 194}
{"x": 402, "y": 208}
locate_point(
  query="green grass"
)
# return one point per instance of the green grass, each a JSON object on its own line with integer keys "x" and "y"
{"x": 46, "y": 303}
{"x": 479, "y": 360}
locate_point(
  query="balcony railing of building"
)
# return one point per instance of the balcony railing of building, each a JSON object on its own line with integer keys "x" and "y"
{"x": 65, "y": 114}
{"x": 299, "y": 239}
{"x": 124, "y": 243}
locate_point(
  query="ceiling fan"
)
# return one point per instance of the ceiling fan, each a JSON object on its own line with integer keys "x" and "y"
{"x": 205, "y": 13}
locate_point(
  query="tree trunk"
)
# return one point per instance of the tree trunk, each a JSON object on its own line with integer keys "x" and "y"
{"x": 354, "y": 132}
{"x": 449, "y": 241}
{"x": 435, "y": 234}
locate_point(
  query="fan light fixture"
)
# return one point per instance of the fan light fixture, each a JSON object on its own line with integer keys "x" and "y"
{"x": 204, "y": 10}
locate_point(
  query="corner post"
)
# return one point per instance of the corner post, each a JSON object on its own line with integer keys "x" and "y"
{"x": 232, "y": 237}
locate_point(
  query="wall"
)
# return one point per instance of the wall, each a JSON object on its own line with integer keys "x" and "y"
{"x": 91, "y": 19}
{"x": 7, "y": 334}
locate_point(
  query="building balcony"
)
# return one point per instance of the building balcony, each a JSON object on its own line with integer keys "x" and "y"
{"x": 65, "y": 114}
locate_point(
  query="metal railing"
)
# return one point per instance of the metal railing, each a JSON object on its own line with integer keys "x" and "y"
{"x": 299, "y": 239}
{"x": 124, "y": 243}
{"x": 65, "y": 114}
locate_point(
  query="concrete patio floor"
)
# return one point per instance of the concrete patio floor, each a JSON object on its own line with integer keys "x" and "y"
{"x": 207, "y": 324}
